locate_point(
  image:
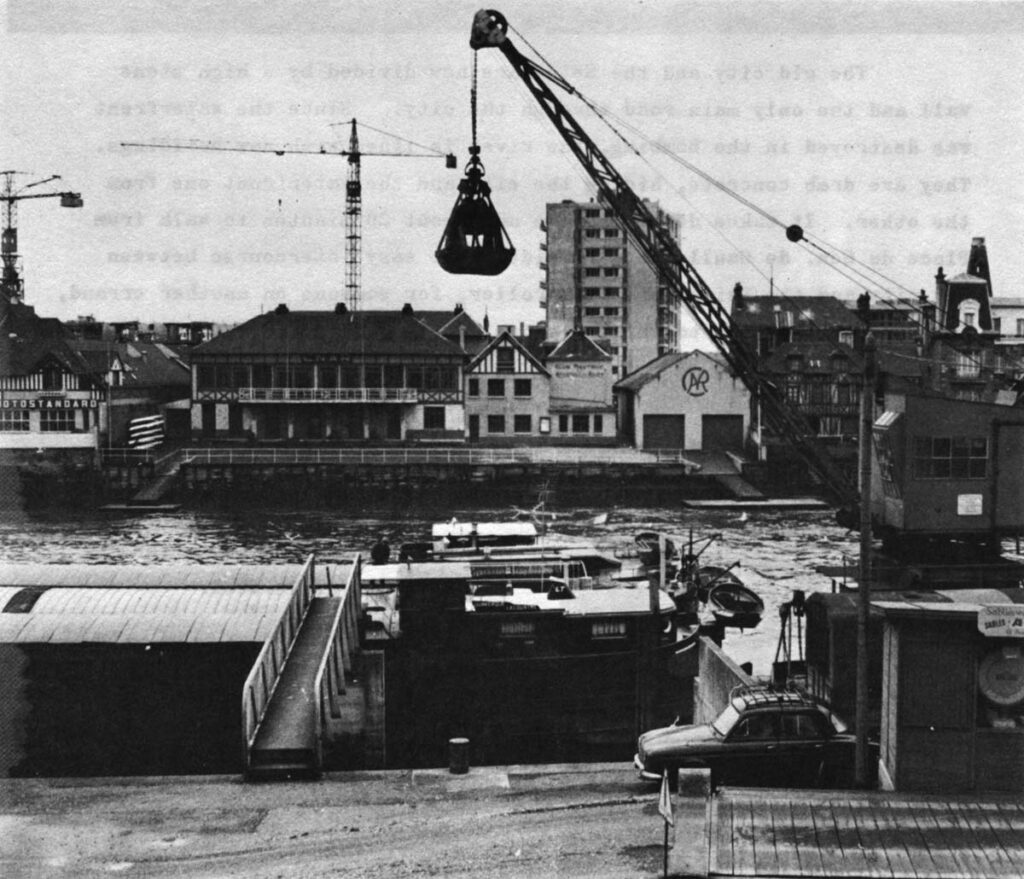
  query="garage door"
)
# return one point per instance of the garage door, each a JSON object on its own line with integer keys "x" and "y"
{"x": 664, "y": 431}
{"x": 722, "y": 433}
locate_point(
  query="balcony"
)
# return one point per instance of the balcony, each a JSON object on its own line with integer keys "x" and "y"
{"x": 328, "y": 395}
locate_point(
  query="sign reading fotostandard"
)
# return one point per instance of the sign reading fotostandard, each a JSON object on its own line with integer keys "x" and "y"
{"x": 1001, "y": 620}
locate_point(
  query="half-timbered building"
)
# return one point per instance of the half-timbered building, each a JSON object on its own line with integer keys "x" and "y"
{"x": 507, "y": 394}
{"x": 50, "y": 398}
{"x": 329, "y": 376}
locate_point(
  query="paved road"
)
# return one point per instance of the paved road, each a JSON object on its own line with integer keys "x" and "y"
{"x": 515, "y": 823}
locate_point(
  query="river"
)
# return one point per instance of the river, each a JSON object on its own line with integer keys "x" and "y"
{"x": 776, "y": 551}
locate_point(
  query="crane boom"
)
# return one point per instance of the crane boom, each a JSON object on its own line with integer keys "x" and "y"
{"x": 664, "y": 255}
{"x": 353, "y": 189}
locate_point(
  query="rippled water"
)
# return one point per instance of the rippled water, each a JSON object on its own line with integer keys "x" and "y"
{"x": 777, "y": 551}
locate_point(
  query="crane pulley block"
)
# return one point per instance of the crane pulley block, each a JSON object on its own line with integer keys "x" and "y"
{"x": 474, "y": 241}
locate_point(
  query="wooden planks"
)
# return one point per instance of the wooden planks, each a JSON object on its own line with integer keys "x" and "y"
{"x": 864, "y": 834}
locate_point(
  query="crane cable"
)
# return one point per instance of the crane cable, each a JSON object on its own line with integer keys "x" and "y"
{"x": 472, "y": 96}
{"x": 823, "y": 254}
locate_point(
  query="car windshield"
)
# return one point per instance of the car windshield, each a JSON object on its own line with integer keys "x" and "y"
{"x": 726, "y": 720}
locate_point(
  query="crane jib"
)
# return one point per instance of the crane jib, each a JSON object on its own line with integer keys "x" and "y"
{"x": 663, "y": 254}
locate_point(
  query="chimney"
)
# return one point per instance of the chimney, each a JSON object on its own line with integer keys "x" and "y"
{"x": 977, "y": 262}
{"x": 462, "y": 336}
{"x": 738, "y": 304}
{"x": 407, "y": 310}
{"x": 340, "y": 308}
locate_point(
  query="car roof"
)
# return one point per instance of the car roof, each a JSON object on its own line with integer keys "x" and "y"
{"x": 755, "y": 697}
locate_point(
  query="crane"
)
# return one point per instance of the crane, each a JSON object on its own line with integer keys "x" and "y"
{"x": 12, "y": 287}
{"x": 353, "y": 188}
{"x": 663, "y": 254}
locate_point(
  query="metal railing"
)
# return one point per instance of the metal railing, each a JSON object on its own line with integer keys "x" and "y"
{"x": 576, "y": 455}
{"x": 342, "y": 642}
{"x": 573, "y": 571}
{"x": 259, "y": 686}
{"x": 328, "y": 395}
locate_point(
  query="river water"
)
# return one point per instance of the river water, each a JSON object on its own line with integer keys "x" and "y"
{"x": 776, "y": 551}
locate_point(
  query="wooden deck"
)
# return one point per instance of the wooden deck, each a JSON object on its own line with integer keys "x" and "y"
{"x": 858, "y": 834}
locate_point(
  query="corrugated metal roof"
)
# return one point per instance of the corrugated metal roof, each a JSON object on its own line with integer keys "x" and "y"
{"x": 148, "y": 576}
{"x": 141, "y": 605}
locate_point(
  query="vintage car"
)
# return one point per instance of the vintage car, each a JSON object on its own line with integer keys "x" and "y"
{"x": 764, "y": 737}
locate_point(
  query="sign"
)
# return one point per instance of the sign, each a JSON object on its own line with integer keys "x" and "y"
{"x": 665, "y": 801}
{"x": 1001, "y": 676}
{"x": 47, "y": 403}
{"x": 1001, "y": 621}
{"x": 695, "y": 381}
{"x": 969, "y": 505}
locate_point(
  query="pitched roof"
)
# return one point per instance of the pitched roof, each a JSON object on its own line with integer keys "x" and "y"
{"x": 809, "y": 311}
{"x": 365, "y": 333}
{"x": 146, "y": 364}
{"x": 653, "y": 368}
{"x": 447, "y": 323}
{"x": 816, "y": 357}
{"x": 578, "y": 346}
{"x": 29, "y": 340}
{"x": 506, "y": 338}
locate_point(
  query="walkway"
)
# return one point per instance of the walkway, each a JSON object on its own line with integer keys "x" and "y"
{"x": 857, "y": 834}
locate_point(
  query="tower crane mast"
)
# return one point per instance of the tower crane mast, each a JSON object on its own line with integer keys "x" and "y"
{"x": 12, "y": 287}
{"x": 353, "y": 189}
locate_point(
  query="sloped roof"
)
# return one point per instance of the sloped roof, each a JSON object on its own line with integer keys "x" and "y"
{"x": 146, "y": 364}
{"x": 578, "y": 346}
{"x": 29, "y": 340}
{"x": 964, "y": 278}
{"x": 816, "y": 357}
{"x": 364, "y": 333}
{"x": 447, "y": 323}
{"x": 507, "y": 338}
{"x": 653, "y": 368}
{"x": 811, "y": 311}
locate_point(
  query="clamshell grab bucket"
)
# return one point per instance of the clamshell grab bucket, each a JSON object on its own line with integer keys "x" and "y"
{"x": 474, "y": 241}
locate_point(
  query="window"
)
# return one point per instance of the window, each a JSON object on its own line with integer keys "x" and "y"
{"x": 611, "y": 331}
{"x": 13, "y": 420}
{"x": 758, "y": 726}
{"x": 968, "y": 318}
{"x": 592, "y": 251}
{"x": 591, "y": 312}
{"x": 563, "y": 423}
{"x": 1020, "y": 326}
{"x": 611, "y": 233}
{"x": 997, "y": 324}
{"x": 611, "y": 251}
{"x": 53, "y": 378}
{"x": 591, "y": 291}
{"x": 608, "y": 629}
{"x": 612, "y": 291}
{"x": 611, "y": 272}
{"x": 581, "y": 424}
{"x": 474, "y": 387}
{"x": 943, "y": 457}
{"x": 611, "y": 312}
{"x": 592, "y": 213}
{"x": 495, "y": 423}
{"x": 522, "y": 424}
{"x": 523, "y": 387}
{"x": 518, "y": 628}
{"x": 592, "y": 331}
{"x": 506, "y": 359}
{"x": 544, "y": 426}
{"x": 592, "y": 233}
{"x": 846, "y": 337}
{"x": 598, "y": 424}
{"x": 804, "y": 726}
{"x": 433, "y": 417}
{"x": 495, "y": 387}
{"x": 62, "y": 420}
{"x": 591, "y": 272}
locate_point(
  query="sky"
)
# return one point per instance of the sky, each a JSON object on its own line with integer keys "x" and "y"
{"x": 891, "y": 132}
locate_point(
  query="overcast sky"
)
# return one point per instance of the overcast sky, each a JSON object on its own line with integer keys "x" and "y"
{"x": 891, "y": 131}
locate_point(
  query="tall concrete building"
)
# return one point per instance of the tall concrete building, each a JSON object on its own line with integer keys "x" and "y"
{"x": 597, "y": 280}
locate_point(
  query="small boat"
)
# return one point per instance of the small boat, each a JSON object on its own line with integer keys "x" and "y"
{"x": 734, "y": 604}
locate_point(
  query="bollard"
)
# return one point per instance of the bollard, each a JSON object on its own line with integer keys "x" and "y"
{"x": 458, "y": 756}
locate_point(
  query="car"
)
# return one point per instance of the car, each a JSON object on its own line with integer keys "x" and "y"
{"x": 764, "y": 737}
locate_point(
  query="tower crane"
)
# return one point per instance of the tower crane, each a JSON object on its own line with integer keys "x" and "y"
{"x": 353, "y": 188}
{"x": 12, "y": 287}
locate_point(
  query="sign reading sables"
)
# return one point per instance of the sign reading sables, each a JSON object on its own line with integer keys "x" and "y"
{"x": 1001, "y": 620}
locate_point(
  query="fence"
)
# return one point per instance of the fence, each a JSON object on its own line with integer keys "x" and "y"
{"x": 259, "y": 685}
{"x": 411, "y": 455}
{"x": 329, "y": 683}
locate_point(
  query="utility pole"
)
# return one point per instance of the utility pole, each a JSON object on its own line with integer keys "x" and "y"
{"x": 867, "y": 402}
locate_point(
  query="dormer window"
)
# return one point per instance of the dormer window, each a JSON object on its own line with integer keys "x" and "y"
{"x": 53, "y": 378}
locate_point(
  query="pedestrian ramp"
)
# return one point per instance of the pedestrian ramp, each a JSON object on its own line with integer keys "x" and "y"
{"x": 296, "y": 685}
